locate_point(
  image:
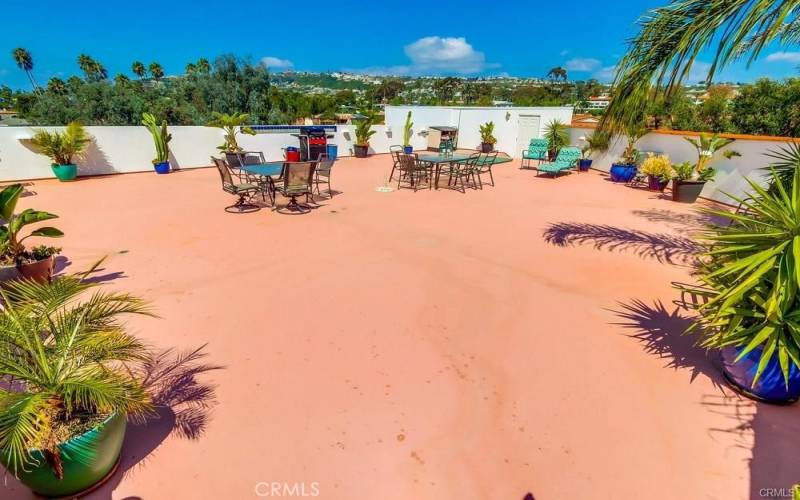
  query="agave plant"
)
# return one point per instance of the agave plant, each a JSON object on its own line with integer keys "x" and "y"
{"x": 61, "y": 147}
{"x": 786, "y": 162}
{"x": 751, "y": 277}
{"x": 63, "y": 366}
{"x": 231, "y": 125}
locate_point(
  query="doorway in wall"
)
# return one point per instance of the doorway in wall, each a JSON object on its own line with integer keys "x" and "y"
{"x": 527, "y": 129}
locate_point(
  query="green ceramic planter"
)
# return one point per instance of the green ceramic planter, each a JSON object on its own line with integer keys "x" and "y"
{"x": 65, "y": 172}
{"x": 87, "y": 460}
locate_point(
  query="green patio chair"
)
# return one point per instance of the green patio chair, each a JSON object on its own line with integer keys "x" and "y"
{"x": 537, "y": 150}
{"x": 565, "y": 161}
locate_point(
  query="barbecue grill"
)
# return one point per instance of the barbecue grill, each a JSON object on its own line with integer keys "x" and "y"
{"x": 313, "y": 142}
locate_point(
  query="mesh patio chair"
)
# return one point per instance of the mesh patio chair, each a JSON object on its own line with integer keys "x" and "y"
{"x": 298, "y": 180}
{"x": 411, "y": 171}
{"x": 233, "y": 184}
{"x": 395, "y": 151}
{"x": 484, "y": 166}
{"x": 468, "y": 171}
{"x": 322, "y": 173}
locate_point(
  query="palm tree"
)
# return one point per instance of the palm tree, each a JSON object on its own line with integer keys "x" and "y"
{"x": 24, "y": 61}
{"x": 203, "y": 66}
{"x": 191, "y": 69}
{"x": 56, "y": 85}
{"x": 62, "y": 360}
{"x": 92, "y": 69}
{"x": 121, "y": 79}
{"x": 670, "y": 39}
{"x": 156, "y": 70}
{"x": 138, "y": 69}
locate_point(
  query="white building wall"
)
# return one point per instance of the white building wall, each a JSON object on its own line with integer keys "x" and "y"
{"x": 730, "y": 173}
{"x": 468, "y": 120}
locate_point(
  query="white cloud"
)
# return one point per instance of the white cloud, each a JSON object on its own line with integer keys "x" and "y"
{"x": 276, "y": 63}
{"x": 792, "y": 57}
{"x": 434, "y": 55}
{"x": 583, "y": 64}
{"x": 605, "y": 74}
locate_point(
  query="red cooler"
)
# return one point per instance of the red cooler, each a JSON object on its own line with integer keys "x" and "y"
{"x": 292, "y": 154}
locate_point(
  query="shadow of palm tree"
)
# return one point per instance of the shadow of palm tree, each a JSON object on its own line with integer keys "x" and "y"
{"x": 661, "y": 331}
{"x": 693, "y": 220}
{"x": 665, "y": 248}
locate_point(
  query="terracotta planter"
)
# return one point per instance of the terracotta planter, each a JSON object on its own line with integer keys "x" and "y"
{"x": 360, "y": 151}
{"x": 486, "y": 147}
{"x": 686, "y": 191}
{"x": 40, "y": 271}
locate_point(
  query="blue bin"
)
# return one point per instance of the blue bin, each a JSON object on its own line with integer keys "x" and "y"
{"x": 333, "y": 151}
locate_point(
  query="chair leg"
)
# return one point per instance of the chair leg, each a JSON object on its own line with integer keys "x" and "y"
{"x": 491, "y": 176}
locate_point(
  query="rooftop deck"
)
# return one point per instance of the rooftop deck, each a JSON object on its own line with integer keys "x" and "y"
{"x": 429, "y": 345}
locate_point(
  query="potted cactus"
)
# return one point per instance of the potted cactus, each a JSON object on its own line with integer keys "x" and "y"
{"x": 407, "y": 147}
{"x": 62, "y": 148}
{"x": 488, "y": 140}
{"x": 161, "y": 138}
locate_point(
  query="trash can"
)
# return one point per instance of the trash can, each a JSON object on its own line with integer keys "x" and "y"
{"x": 292, "y": 154}
{"x": 333, "y": 151}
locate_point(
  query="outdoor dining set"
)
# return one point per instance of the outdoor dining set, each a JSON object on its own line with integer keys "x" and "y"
{"x": 247, "y": 174}
{"x": 461, "y": 170}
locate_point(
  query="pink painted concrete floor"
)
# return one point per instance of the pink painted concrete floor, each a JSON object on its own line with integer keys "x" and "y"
{"x": 515, "y": 342}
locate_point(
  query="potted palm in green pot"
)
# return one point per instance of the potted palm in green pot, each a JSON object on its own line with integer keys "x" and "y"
{"x": 62, "y": 148}
{"x": 488, "y": 140}
{"x": 69, "y": 384}
{"x": 407, "y": 147}
{"x": 161, "y": 138}
{"x": 35, "y": 264}
{"x": 689, "y": 180}
{"x": 749, "y": 279}
{"x": 363, "y": 133}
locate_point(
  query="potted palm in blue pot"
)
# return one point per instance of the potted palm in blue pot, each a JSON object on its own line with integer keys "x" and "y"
{"x": 161, "y": 138}
{"x": 625, "y": 169}
{"x": 62, "y": 147}
{"x": 596, "y": 142}
{"x": 407, "y": 147}
{"x": 750, "y": 280}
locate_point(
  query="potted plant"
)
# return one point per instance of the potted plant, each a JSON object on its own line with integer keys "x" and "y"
{"x": 658, "y": 170}
{"x": 488, "y": 140}
{"x": 595, "y": 143}
{"x": 557, "y": 135}
{"x": 749, "y": 281}
{"x": 62, "y": 148}
{"x": 36, "y": 264}
{"x": 363, "y": 133}
{"x": 407, "y": 147}
{"x": 161, "y": 138}
{"x": 625, "y": 168}
{"x": 231, "y": 125}
{"x": 690, "y": 179}
{"x": 69, "y": 383}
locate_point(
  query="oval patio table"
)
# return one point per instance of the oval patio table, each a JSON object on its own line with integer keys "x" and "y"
{"x": 437, "y": 159}
{"x": 267, "y": 172}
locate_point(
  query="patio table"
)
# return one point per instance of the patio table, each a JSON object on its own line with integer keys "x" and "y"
{"x": 438, "y": 159}
{"x": 266, "y": 171}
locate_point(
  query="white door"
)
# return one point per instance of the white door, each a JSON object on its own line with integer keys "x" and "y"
{"x": 527, "y": 129}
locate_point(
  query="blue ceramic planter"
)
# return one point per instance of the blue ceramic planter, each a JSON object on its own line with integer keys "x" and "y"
{"x": 771, "y": 387}
{"x": 622, "y": 172}
{"x": 161, "y": 168}
{"x": 408, "y": 149}
{"x": 584, "y": 164}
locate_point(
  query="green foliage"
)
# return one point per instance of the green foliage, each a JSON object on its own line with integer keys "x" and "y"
{"x": 557, "y": 135}
{"x": 63, "y": 360}
{"x": 231, "y": 125}
{"x": 683, "y": 171}
{"x": 707, "y": 146}
{"x": 487, "y": 133}
{"x": 364, "y": 129}
{"x": 596, "y": 142}
{"x": 407, "y": 130}
{"x": 786, "y": 161}
{"x": 445, "y": 89}
{"x": 41, "y": 252}
{"x": 12, "y": 249}
{"x": 751, "y": 275}
{"x": 161, "y": 137}
{"x": 657, "y": 166}
{"x": 633, "y": 133}
{"x": 61, "y": 147}
{"x": 768, "y": 107}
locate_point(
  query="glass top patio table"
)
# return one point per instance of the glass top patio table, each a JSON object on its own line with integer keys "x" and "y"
{"x": 264, "y": 169}
{"x": 440, "y": 158}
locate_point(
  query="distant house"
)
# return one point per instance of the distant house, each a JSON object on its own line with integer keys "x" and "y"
{"x": 598, "y": 102}
{"x": 584, "y": 121}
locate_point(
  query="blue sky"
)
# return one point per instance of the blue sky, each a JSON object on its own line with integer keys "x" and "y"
{"x": 459, "y": 37}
